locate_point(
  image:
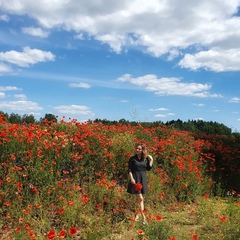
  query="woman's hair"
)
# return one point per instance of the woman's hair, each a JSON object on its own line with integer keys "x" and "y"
{"x": 144, "y": 149}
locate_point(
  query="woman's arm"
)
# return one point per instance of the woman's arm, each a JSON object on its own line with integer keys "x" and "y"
{"x": 131, "y": 178}
{"x": 130, "y": 168}
{"x": 150, "y": 158}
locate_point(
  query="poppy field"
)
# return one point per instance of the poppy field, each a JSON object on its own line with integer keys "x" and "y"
{"x": 68, "y": 180}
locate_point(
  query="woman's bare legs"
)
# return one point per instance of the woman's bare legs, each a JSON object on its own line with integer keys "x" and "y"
{"x": 140, "y": 201}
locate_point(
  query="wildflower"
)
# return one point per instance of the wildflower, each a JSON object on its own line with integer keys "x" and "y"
{"x": 195, "y": 237}
{"x": 140, "y": 232}
{"x": 161, "y": 195}
{"x": 19, "y": 184}
{"x": 62, "y": 234}
{"x": 20, "y": 198}
{"x": 13, "y": 157}
{"x": 223, "y": 219}
{"x": 172, "y": 238}
{"x": 4, "y": 164}
{"x": 51, "y": 234}
{"x": 25, "y": 211}
{"x": 105, "y": 200}
{"x": 72, "y": 231}
{"x": 45, "y": 162}
{"x": 17, "y": 229}
{"x": 8, "y": 204}
{"x": 27, "y": 226}
{"x": 31, "y": 234}
{"x": 98, "y": 205}
{"x": 70, "y": 203}
{"x": 59, "y": 211}
{"x": 37, "y": 205}
{"x": 206, "y": 195}
{"x": 20, "y": 220}
{"x": 138, "y": 186}
{"x": 159, "y": 218}
{"x": 85, "y": 199}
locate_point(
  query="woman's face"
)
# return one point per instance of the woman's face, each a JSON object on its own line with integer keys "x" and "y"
{"x": 139, "y": 150}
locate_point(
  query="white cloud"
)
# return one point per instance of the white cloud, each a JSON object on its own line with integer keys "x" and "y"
{"x": 27, "y": 57}
{"x": 76, "y": 110}
{"x": 20, "y": 106}
{"x": 36, "y": 32}
{"x": 234, "y": 100}
{"x": 79, "y": 85}
{"x": 168, "y": 86}
{"x": 217, "y": 61}
{"x": 158, "y": 109}
{"x": 173, "y": 53}
{"x": 70, "y": 46}
{"x": 157, "y": 26}
{"x": 200, "y": 119}
{"x": 5, "y": 69}
{"x": 164, "y": 115}
{"x": 4, "y": 18}
{"x": 199, "y": 104}
{"x": 22, "y": 97}
{"x": 115, "y": 41}
{"x": 160, "y": 116}
{"x": 9, "y": 88}
{"x": 79, "y": 36}
{"x": 2, "y": 95}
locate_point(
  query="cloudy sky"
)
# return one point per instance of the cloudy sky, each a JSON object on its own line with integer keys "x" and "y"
{"x": 140, "y": 60}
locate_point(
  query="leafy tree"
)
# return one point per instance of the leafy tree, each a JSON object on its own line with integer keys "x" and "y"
{"x": 4, "y": 114}
{"x": 15, "y": 118}
{"x": 49, "y": 117}
{"x": 28, "y": 118}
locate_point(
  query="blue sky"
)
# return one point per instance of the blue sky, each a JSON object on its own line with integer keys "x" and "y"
{"x": 139, "y": 60}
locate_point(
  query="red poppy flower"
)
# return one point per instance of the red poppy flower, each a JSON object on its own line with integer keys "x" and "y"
{"x": 140, "y": 232}
{"x": 223, "y": 219}
{"x": 158, "y": 218}
{"x": 51, "y": 234}
{"x": 62, "y": 234}
{"x": 138, "y": 186}
{"x": 72, "y": 231}
{"x": 195, "y": 237}
{"x": 8, "y": 204}
{"x": 17, "y": 229}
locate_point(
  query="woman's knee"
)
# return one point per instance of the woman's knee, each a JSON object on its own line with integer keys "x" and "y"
{"x": 140, "y": 198}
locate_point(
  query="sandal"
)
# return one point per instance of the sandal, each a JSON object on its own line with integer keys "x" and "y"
{"x": 136, "y": 218}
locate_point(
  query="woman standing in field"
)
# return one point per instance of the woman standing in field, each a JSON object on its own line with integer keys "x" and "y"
{"x": 137, "y": 167}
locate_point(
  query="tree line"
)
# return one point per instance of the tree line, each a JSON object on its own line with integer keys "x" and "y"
{"x": 15, "y": 118}
{"x": 198, "y": 126}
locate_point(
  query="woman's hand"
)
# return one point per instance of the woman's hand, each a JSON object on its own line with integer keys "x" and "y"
{"x": 133, "y": 181}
